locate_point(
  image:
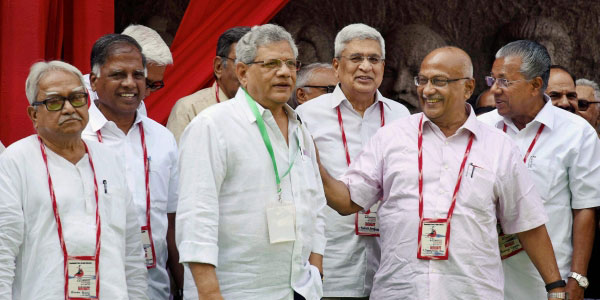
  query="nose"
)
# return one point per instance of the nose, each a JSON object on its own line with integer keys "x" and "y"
{"x": 428, "y": 89}
{"x": 564, "y": 103}
{"x": 285, "y": 70}
{"x": 365, "y": 65}
{"x": 129, "y": 81}
{"x": 67, "y": 108}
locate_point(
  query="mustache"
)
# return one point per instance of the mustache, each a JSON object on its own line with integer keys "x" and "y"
{"x": 65, "y": 118}
{"x": 434, "y": 97}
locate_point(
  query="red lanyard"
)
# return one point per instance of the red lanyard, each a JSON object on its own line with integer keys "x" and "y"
{"x": 61, "y": 238}
{"x": 532, "y": 142}
{"x": 217, "y": 92}
{"x": 460, "y": 172}
{"x": 339, "y": 113}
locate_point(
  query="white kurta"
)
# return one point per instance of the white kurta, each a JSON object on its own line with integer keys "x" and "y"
{"x": 565, "y": 166}
{"x": 499, "y": 188}
{"x": 31, "y": 258}
{"x": 162, "y": 154}
{"x": 227, "y": 183}
{"x": 347, "y": 256}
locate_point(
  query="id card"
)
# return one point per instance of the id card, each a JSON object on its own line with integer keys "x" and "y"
{"x": 81, "y": 278}
{"x": 281, "y": 220}
{"x": 366, "y": 223}
{"x": 434, "y": 237}
{"x": 509, "y": 244}
{"x": 148, "y": 248}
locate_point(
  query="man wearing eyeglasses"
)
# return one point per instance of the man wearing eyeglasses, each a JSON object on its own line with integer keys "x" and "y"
{"x": 68, "y": 226}
{"x": 225, "y": 86}
{"x": 342, "y": 123}
{"x": 148, "y": 149}
{"x": 249, "y": 222}
{"x": 562, "y": 153}
{"x": 313, "y": 81}
{"x": 588, "y": 94}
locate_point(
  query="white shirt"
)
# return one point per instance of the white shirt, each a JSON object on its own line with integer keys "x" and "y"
{"x": 227, "y": 183}
{"x": 162, "y": 153}
{"x": 565, "y": 166}
{"x": 1, "y": 148}
{"x": 499, "y": 188}
{"x": 31, "y": 258}
{"x": 93, "y": 96}
{"x": 346, "y": 256}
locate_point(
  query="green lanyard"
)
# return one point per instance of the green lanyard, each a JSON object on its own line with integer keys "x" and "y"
{"x": 265, "y": 136}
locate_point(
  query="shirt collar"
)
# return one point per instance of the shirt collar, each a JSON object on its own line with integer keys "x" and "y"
{"x": 544, "y": 116}
{"x": 98, "y": 120}
{"x": 241, "y": 97}
{"x": 338, "y": 96}
{"x": 471, "y": 124}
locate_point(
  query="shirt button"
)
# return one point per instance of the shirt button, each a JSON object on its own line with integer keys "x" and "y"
{"x": 446, "y": 167}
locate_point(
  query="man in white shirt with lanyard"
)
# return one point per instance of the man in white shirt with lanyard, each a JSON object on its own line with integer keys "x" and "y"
{"x": 440, "y": 168}
{"x": 68, "y": 227}
{"x": 341, "y": 123}
{"x": 562, "y": 153}
{"x": 148, "y": 150}
{"x": 249, "y": 221}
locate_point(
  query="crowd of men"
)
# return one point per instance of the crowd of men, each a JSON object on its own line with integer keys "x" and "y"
{"x": 289, "y": 182}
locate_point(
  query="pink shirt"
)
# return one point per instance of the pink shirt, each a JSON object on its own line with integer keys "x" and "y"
{"x": 498, "y": 188}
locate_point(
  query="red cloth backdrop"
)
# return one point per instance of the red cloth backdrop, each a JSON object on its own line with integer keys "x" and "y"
{"x": 36, "y": 30}
{"x": 195, "y": 44}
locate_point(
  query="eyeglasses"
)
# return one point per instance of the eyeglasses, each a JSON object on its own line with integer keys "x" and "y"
{"x": 438, "y": 81}
{"x": 57, "y": 102}
{"x": 328, "y": 88}
{"x": 357, "y": 59}
{"x": 155, "y": 85}
{"x": 583, "y": 104}
{"x": 502, "y": 82}
{"x": 225, "y": 57}
{"x": 292, "y": 64}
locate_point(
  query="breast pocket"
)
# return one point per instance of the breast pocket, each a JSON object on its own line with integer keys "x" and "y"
{"x": 477, "y": 189}
{"x": 115, "y": 209}
{"x": 159, "y": 184}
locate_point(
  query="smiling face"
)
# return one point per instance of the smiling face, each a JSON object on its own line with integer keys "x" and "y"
{"x": 561, "y": 89}
{"x": 359, "y": 78}
{"x": 122, "y": 84}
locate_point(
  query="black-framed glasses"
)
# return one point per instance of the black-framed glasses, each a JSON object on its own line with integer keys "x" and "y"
{"x": 155, "y": 85}
{"x": 583, "y": 104}
{"x": 438, "y": 81}
{"x": 357, "y": 59}
{"x": 276, "y": 63}
{"x": 328, "y": 88}
{"x": 57, "y": 102}
{"x": 501, "y": 82}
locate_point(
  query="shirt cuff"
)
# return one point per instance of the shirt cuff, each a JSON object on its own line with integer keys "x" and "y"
{"x": 194, "y": 252}
{"x": 319, "y": 245}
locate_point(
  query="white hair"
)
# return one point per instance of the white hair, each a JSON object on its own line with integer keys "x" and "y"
{"x": 40, "y": 69}
{"x": 593, "y": 85}
{"x": 306, "y": 73}
{"x": 153, "y": 47}
{"x": 357, "y": 31}
{"x": 245, "y": 50}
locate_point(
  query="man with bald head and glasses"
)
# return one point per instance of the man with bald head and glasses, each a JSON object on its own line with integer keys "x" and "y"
{"x": 313, "y": 81}
{"x": 443, "y": 179}
{"x": 68, "y": 226}
{"x": 561, "y": 152}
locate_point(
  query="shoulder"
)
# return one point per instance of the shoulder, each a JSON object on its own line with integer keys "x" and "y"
{"x": 315, "y": 105}
{"x": 199, "y": 96}
{"x": 490, "y": 118}
{"x": 396, "y": 108}
{"x": 22, "y": 149}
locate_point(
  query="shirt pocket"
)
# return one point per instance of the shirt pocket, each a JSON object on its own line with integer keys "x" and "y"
{"x": 115, "y": 203}
{"x": 477, "y": 190}
{"x": 544, "y": 172}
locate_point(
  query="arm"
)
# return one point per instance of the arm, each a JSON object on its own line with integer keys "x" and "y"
{"x": 206, "y": 281}
{"x": 175, "y": 267}
{"x": 583, "y": 240}
{"x": 136, "y": 273}
{"x": 536, "y": 243}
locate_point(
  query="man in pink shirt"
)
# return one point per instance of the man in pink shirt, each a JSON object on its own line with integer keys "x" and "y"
{"x": 445, "y": 180}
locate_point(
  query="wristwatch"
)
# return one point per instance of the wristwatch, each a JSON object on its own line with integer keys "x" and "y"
{"x": 581, "y": 280}
{"x": 561, "y": 295}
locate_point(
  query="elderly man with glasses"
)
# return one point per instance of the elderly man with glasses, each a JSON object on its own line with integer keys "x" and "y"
{"x": 249, "y": 222}
{"x": 342, "y": 123}
{"x": 147, "y": 148}
{"x": 588, "y": 105}
{"x": 68, "y": 226}
{"x": 313, "y": 81}
{"x": 442, "y": 180}
{"x": 562, "y": 153}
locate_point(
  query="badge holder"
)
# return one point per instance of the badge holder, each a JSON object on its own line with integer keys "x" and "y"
{"x": 367, "y": 223}
{"x": 508, "y": 244}
{"x": 434, "y": 235}
{"x": 281, "y": 220}
{"x": 148, "y": 245}
{"x": 81, "y": 278}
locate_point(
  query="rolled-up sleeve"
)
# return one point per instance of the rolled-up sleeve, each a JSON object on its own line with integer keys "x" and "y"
{"x": 135, "y": 266}
{"x": 202, "y": 169}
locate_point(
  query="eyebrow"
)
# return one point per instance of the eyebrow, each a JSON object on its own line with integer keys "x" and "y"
{"x": 79, "y": 88}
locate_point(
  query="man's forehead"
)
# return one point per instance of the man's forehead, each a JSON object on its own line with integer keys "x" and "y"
{"x": 275, "y": 49}
{"x": 560, "y": 79}
{"x": 584, "y": 91}
{"x": 51, "y": 90}
{"x": 363, "y": 46}
{"x": 509, "y": 65}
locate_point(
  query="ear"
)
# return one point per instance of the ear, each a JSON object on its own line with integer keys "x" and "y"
{"x": 93, "y": 79}
{"x": 469, "y": 88}
{"x": 336, "y": 64}
{"x": 241, "y": 71}
{"x": 218, "y": 66}
{"x": 32, "y": 114}
{"x": 300, "y": 96}
{"x": 537, "y": 84}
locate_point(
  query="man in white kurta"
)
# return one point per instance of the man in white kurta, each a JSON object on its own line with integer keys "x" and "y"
{"x": 31, "y": 256}
{"x": 229, "y": 214}
{"x": 350, "y": 259}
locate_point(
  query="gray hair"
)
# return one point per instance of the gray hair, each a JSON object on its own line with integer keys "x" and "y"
{"x": 592, "y": 84}
{"x": 153, "y": 46}
{"x": 245, "y": 50}
{"x": 40, "y": 69}
{"x": 306, "y": 73}
{"x": 535, "y": 60}
{"x": 357, "y": 31}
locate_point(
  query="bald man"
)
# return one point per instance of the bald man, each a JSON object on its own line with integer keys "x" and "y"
{"x": 439, "y": 168}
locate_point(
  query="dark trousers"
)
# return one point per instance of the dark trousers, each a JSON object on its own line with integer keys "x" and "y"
{"x": 298, "y": 296}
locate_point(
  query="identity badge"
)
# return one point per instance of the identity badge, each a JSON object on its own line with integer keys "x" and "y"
{"x": 148, "y": 248}
{"x": 81, "y": 278}
{"x": 509, "y": 244}
{"x": 366, "y": 223}
{"x": 434, "y": 236}
{"x": 281, "y": 220}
